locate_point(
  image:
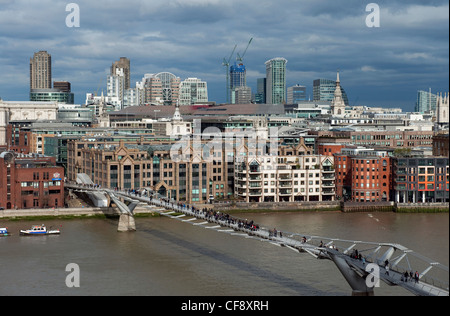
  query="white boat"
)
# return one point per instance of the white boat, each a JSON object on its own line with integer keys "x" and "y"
{"x": 39, "y": 230}
{"x": 4, "y": 232}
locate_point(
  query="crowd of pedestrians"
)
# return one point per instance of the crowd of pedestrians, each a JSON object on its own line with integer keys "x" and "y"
{"x": 225, "y": 219}
{"x": 205, "y": 213}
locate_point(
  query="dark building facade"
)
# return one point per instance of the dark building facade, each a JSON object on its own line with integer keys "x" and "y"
{"x": 421, "y": 179}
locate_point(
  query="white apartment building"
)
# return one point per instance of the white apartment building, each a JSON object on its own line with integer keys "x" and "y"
{"x": 285, "y": 178}
{"x": 115, "y": 88}
{"x": 193, "y": 91}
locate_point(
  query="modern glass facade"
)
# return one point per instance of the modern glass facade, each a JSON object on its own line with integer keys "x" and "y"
{"x": 276, "y": 81}
{"x": 296, "y": 94}
{"x": 170, "y": 85}
{"x": 260, "y": 95}
{"x": 426, "y": 101}
{"x": 237, "y": 77}
{"x": 323, "y": 90}
{"x": 50, "y": 95}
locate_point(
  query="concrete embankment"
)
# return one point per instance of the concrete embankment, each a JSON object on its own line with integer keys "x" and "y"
{"x": 347, "y": 207}
{"x": 274, "y": 207}
{"x": 422, "y": 207}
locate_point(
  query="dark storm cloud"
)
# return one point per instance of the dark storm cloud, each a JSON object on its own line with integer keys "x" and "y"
{"x": 191, "y": 38}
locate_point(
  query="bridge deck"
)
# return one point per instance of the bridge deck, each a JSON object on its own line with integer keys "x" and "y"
{"x": 306, "y": 244}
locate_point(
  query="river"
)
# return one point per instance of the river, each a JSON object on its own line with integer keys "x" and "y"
{"x": 166, "y": 257}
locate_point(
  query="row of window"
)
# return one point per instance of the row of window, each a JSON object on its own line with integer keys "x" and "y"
{"x": 36, "y": 184}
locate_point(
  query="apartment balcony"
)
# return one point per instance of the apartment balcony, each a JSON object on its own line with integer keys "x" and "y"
{"x": 285, "y": 192}
{"x": 254, "y": 185}
{"x": 241, "y": 185}
{"x": 258, "y": 178}
{"x": 285, "y": 185}
{"x": 281, "y": 167}
{"x": 328, "y": 184}
{"x": 284, "y": 177}
{"x": 328, "y": 191}
{"x": 255, "y": 193}
{"x": 328, "y": 176}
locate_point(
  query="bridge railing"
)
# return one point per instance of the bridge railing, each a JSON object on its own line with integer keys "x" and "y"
{"x": 426, "y": 282}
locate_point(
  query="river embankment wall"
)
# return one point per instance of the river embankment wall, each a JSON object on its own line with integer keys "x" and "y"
{"x": 239, "y": 207}
{"x": 346, "y": 207}
{"x": 70, "y": 212}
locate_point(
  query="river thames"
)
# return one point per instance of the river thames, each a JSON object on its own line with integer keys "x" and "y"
{"x": 166, "y": 257}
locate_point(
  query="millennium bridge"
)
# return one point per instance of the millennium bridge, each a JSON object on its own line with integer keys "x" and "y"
{"x": 363, "y": 264}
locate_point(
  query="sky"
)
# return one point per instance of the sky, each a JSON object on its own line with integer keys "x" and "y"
{"x": 379, "y": 66}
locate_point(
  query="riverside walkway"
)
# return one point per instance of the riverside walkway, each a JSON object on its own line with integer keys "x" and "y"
{"x": 358, "y": 261}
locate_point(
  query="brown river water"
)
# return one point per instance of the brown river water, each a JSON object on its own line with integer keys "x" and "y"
{"x": 166, "y": 257}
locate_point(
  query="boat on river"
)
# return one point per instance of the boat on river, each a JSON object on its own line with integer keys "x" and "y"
{"x": 4, "y": 232}
{"x": 39, "y": 230}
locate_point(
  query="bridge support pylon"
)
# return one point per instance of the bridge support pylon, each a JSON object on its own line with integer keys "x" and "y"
{"x": 126, "y": 223}
{"x": 356, "y": 281}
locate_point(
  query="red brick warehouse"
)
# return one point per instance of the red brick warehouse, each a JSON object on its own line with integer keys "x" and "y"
{"x": 30, "y": 181}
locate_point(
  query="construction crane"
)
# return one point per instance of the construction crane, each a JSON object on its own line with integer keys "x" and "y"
{"x": 226, "y": 63}
{"x": 239, "y": 58}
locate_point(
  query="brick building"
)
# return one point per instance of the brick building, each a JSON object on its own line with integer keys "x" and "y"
{"x": 441, "y": 145}
{"x": 30, "y": 181}
{"x": 363, "y": 175}
{"x": 188, "y": 174}
{"x": 136, "y": 165}
{"x": 379, "y": 138}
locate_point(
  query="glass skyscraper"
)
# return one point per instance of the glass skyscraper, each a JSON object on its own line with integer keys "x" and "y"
{"x": 323, "y": 90}
{"x": 276, "y": 80}
{"x": 237, "y": 78}
{"x": 426, "y": 101}
{"x": 260, "y": 95}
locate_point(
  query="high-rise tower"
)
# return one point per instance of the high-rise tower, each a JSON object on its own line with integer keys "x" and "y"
{"x": 124, "y": 64}
{"x": 237, "y": 77}
{"x": 41, "y": 71}
{"x": 276, "y": 80}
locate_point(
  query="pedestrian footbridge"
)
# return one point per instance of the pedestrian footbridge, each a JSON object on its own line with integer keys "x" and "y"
{"x": 363, "y": 264}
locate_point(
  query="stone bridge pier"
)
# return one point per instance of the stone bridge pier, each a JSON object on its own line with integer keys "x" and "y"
{"x": 126, "y": 223}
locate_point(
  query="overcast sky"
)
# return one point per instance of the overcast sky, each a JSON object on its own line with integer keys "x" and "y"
{"x": 380, "y": 66}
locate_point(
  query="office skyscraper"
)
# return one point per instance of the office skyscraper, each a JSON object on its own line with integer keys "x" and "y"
{"x": 41, "y": 71}
{"x": 426, "y": 101}
{"x": 237, "y": 77}
{"x": 260, "y": 95}
{"x": 296, "y": 94}
{"x": 276, "y": 80}
{"x": 323, "y": 90}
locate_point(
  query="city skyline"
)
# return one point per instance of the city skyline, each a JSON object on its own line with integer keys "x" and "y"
{"x": 379, "y": 66}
